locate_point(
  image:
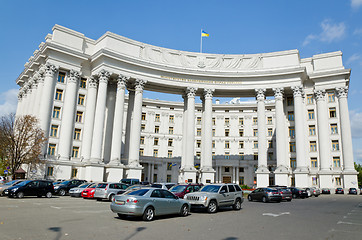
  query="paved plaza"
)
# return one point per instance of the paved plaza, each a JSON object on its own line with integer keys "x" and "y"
{"x": 325, "y": 217}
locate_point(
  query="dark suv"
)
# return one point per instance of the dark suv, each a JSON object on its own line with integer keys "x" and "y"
{"x": 265, "y": 195}
{"x": 63, "y": 187}
{"x": 180, "y": 190}
{"x": 37, "y": 188}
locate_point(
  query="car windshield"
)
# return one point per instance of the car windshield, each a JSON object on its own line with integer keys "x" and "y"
{"x": 92, "y": 186}
{"x": 84, "y": 185}
{"x": 210, "y": 188}
{"x": 156, "y": 185}
{"x": 65, "y": 182}
{"x": 102, "y": 185}
{"x": 178, "y": 188}
{"x": 139, "y": 192}
{"x": 23, "y": 183}
{"x": 11, "y": 182}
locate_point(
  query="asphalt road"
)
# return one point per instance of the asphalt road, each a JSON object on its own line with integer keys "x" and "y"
{"x": 325, "y": 217}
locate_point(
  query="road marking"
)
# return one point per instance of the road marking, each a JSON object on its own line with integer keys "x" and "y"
{"x": 276, "y": 215}
{"x": 55, "y": 207}
{"x": 349, "y": 223}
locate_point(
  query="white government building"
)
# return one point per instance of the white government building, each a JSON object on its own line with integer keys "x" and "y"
{"x": 88, "y": 97}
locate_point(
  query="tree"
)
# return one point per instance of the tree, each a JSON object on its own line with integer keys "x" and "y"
{"x": 358, "y": 168}
{"x": 21, "y": 141}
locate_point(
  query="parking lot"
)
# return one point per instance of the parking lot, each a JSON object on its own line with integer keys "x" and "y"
{"x": 325, "y": 217}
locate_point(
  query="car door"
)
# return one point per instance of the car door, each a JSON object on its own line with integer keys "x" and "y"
{"x": 31, "y": 189}
{"x": 232, "y": 194}
{"x": 159, "y": 202}
{"x": 172, "y": 203}
{"x": 223, "y": 195}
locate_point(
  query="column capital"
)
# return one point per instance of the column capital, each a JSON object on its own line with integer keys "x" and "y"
{"x": 278, "y": 93}
{"x": 298, "y": 91}
{"x": 140, "y": 84}
{"x": 122, "y": 81}
{"x": 320, "y": 94}
{"x": 191, "y": 92}
{"x": 208, "y": 92}
{"x": 49, "y": 69}
{"x": 260, "y": 94}
{"x": 92, "y": 82}
{"x": 104, "y": 76}
{"x": 74, "y": 76}
{"x": 342, "y": 92}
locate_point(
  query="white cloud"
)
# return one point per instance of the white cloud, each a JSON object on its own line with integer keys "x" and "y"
{"x": 353, "y": 58}
{"x": 358, "y": 156}
{"x": 355, "y": 4}
{"x": 356, "y": 123}
{"x": 8, "y": 101}
{"x": 357, "y": 31}
{"x": 330, "y": 32}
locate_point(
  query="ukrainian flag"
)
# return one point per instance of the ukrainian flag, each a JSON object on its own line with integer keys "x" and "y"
{"x": 204, "y": 34}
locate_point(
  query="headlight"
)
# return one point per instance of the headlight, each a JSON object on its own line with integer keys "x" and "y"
{"x": 56, "y": 187}
{"x": 203, "y": 198}
{"x": 14, "y": 189}
{"x": 92, "y": 191}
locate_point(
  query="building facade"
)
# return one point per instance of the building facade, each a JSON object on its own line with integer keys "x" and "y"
{"x": 88, "y": 97}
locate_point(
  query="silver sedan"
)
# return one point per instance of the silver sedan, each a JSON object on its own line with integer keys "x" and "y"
{"x": 148, "y": 203}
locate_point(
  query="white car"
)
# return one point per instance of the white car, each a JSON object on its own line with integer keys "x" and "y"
{"x": 166, "y": 186}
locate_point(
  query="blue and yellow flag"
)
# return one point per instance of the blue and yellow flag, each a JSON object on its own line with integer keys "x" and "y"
{"x": 204, "y": 34}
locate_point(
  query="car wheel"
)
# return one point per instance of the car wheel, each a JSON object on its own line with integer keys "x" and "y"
{"x": 184, "y": 210}
{"x": 237, "y": 204}
{"x": 149, "y": 214}
{"x": 20, "y": 195}
{"x": 249, "y": 198}
{"x": 111, "y": 197}
{"x": 294, "y": 195}
{"x": 121, "y": 216}
{"x": 212, "y": 208}
{"x": 62, "y": 192}
{"x": 48, "y": 194}
{"x": 264, "y": 200}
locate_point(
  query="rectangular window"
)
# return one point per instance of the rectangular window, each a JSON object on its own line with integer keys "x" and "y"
{"x": 241, "y": 180}
{"x": 293, "y": 163}
{"x": 332, "y": 112}
{"x": 331, "y": 97}
{"x": 241, "y": 155}
{"x": 54, "y": 131}
{"x": 290, "y": 101}
{"x": 56, "y": 112}
{"x": 255, "y": 144}
{"x": 50, "y": 171}
{"x": 255, "y": 132}
{"x": 255, "y": 121}
{"x": 198, "y": 143}
{"x": 270, "y": 143}
{"x": 213, "y": 132}
{"x": 198, "y": 121}
{"x": 313, "y": 162}
{"x": 270, "y": 132}
{"x": 313, "y": 146}
{"x": 83, "y": 83}
{"x": 241, "y": 121}
{"x": 141, "y": 151}
{"x": 157, "y": 129}
{"x": 213, "y": 121}
{"x": 335, "y": 145}
{"x": 270, "y": 120}
{"x": 170, "y": 142}
{"x": 155, "y": 152}
{"x": 51, "y": 150}
{"x": 77, "y": 132}
{"x": 142, "y": 140}
{"x": 198, "y": 132}
{"x": 74, "y": 172}
{"x": 169, "y": 165}
{"x": 157, "y": 117}
{"x": 155, "y": 141}
{"x": 310, "y": 99}
{"x": 338, "y": 181}
{"x": 227, "y": 156}
{"x": 312, "y": 130}
{"x": 291, "y": 132}
{"x": 310, "y": 114}
{"x": 270, "y": 156}
{"x": 75, "y": 152}
{"x": 241, "y": 132}
{"x": 291, "y": 116}
{"x": 227, "y": 121}
{"x": 171, "y": 119}
{"x": 198, "y": 156}
{"x": 227, "y": 132}
{"x": 168, "y": 178}
{"x": 336, "y": 162}
{"x": 227, "y": 144}
{"x": 169, "y": 153}
{"x": 241, "y": 144}
{"x": 61, "y": 77}
{"x": 255, "y": 156}
{"x": 292, "y": 147}
{"x": 59, "y": 94}
{"x": 334, "y": 128}
{"x": 143, "y": 118}
{"x": 143, "y": 126}
{"x": 81, "y": 98}
{"x": 79, "y": 117}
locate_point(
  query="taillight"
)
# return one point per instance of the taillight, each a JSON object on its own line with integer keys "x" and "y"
{"x": 300, "y": 192}
{"x": 132, "y": 201}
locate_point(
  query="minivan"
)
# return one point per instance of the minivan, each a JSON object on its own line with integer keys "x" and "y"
{"x": 37, "y": 188}
{"x": 130, "y": 181}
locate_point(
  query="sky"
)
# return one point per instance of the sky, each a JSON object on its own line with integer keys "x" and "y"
{"x": 235, "y": 27}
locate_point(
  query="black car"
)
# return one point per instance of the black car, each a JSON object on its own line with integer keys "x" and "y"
{"x": 63, "y": 188}
{"x": 326, "y": 191}
{"x": 265, "y": 195}
{"x": 37, "y": 188}
{"x": 298, "y": 192}
{"x": 339, "y": 191}
{"x": 352, "y": 191}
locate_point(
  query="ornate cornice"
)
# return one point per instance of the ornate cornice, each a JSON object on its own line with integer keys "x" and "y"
{"x": 298, "y": 91}
{"x": 320, "y": 94}
{"x": 191, "y": 92}
{"x": 208, "y": 92}
{"x": 49, "y": 69}
{"x": 342, "y": 92}
{"x": 278, "y": 93}
{"x": 74, "y": 76}
{"x": 260, "y": 94}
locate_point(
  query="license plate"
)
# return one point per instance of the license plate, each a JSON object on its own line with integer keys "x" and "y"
{"x": 120, "y": 202}
{"x": 85, "y": 193}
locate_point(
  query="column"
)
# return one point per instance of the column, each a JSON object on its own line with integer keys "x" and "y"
{"x": 20, "y": 102}
{"x": 69, "y": 106}
{"x": 89, "y": 118}
{"x": 262, "y": 173}
{"x": 39, "y": 92}
{"x": 135, "y": 169}
{"x": 349, "y": 173}
{"x": 118, "y": 120}
{"x": 207, "y": 172}
{"x": 25, "y": 99}
{"x": 47, "y": 100}
{"x": 96, "y": 151}
{"x": 301, "y": 172}
{"x": 281, "y": 173}
{"x": 32, "y": 89}
{"x": 220, "y": 174}
{"x": 237, "y": 175}
{"x": 184, "y": 132}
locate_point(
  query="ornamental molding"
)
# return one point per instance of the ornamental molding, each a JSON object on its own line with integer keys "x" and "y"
{"x": 342, "y": 92}
{"x": 278, "y": 93}
{"x": 92, "y": 82}
{"x": 74, "y": 76}
{"x": 49, "y": 69}
{"x": 178, "y": 115}
{"x": 140, "y": 84}
{"x": 103, "y": 76}
{"x": 208, "y": 92}
{"x": 260, "y": 94}
{"x": 320, "y": 94}
{"x": 298, "y": 91}
{"x": 191, "y": 92}
{"x": 122, "y": 81}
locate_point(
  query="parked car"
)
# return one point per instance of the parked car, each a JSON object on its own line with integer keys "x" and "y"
{"x": 309, "y": 191}
{"x": 148, "y": 203}
{"x": 2, "y": 180}
{"x": 89, "y": 191}
{"x": 213, "y": 196}
{"x": 181, "y": 189}
{"x": 298, "y": 192}
{"x": 77, "y": 191}
{"x": 130, "y": 181}
{"x": 316, "y": 191}
{"x": 284, "y": 191}
{"x": 7, "y": 185}
{"x": 133, "y": 188}
{"x": 145, "y": 183}
{"x": 166, "y": 186}
{"x": 265, "y": 195}
{"x": 339, "y": 191}
{"x": 37, "y": 188}
{"x": 63, "y": 188}
{"x": 352, "y": 191}
{"x": 326, "y": 191}
{"x": 108, "y": 190}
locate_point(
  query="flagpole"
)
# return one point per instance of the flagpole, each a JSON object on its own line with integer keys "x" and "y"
{"x": 201, "y": 41}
